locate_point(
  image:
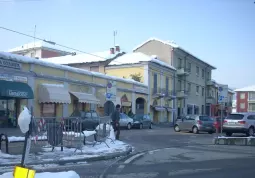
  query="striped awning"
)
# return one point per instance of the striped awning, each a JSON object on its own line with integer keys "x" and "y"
{"x": 53, "y": 93}
{"x": 85, "y": 98}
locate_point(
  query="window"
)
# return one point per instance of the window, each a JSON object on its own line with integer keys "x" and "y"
{"x": 48, "y": 110}
{"x": 189, "y": 87}
{"x": 242, "y": 95}
{"x": 252, "y": 96}
{"x": 242, "y": 105}
{"x": 203, "y": 91}
{"x": 189, "y": 67}
{"x": 203, "y": 73}
{"x": 252, "y": 107}
{"x": 203, "y": 109}
{"x": 155, "y": 81}
{"x": 208, "y": 76}
{"x": 197, "y": 71}
{"x": 180, "y": 63}
{"x": 167, "y": 83}
{"x": 179, "y": 85}
{"x": 197, "y": 90}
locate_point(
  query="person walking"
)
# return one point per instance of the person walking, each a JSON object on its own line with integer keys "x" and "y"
{"x": 116, "y": 121}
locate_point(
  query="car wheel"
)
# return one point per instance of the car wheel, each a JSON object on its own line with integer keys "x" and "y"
{"x": 129, "y": 126}
{"x": 150, "y": 126}
{"x": 141, "y": 126}
{"x": 195, "y": 130}
{"x": 250, "y": 131}
{"x": 229, "y": 134}
{"x": 177, "y": 128}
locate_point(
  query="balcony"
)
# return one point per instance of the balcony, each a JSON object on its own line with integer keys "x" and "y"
{"x": 158, "y": 92}
{"x": 182, "y": 94}
{"x": 170, "y": 95}
{"x": 210, "y": 82}
{"x": 211, "y": 100}
{"x": 183, "y": 71}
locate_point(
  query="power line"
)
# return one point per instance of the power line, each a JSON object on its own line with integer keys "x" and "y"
{"x": 56, "y": 44}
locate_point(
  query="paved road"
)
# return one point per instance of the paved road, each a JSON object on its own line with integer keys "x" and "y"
{"x": 175, "y": 155}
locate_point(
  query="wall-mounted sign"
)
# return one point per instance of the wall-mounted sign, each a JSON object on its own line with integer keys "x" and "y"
{"x": 111, "y": 91}
{"x": 10, "y": 64}
{"x": 18, "y": 94}
{"x": 13, "y": 78}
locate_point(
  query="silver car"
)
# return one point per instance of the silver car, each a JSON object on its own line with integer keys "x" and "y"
{"x": 239, "y": 123}
{"x": 126, "y": 121}
{"x": 195, "y": 123}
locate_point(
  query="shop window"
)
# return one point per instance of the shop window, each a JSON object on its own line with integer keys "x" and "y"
{"x": 48, "y": 109}
{"x": 75, "y": 105}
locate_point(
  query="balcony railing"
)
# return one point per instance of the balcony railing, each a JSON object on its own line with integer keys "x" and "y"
{"x": 170, "y": 94}
{"x": 158, "y": 92}
{"x": 182, "y": 93}
{"x": 183, "y": 71}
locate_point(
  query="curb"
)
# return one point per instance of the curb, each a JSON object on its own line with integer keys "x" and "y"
{"x": 91, "y": 159}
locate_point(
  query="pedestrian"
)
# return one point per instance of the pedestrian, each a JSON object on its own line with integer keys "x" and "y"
{"x": 116, "y": 121}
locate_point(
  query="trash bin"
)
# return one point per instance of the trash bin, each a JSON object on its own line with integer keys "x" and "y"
{"x": 54, "y": 134}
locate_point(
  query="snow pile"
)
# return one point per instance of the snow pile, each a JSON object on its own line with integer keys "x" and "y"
{"x": 82, "y": 58}
{"x": 24, "y": 120}
{"x": 69, "y": 174}
{"x": 137, "y": 57}
{"x": 28, "y": 60}
{"x": 20, "y": 139}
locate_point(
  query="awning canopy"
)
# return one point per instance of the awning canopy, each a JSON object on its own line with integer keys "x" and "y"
{"x": 85, "y": 98}
{"x": 10, "y": 89}
{"x": 102, "y": 99}
{"x": 53, "y": 93}
{"x": 159, "y": 108}
{"x": 126, "y": 104}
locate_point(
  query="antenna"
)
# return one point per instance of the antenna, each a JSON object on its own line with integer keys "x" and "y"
{"x": 114, "y": 36}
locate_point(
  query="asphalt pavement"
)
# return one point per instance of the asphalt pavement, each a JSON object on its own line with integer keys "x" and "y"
{"x": 161, "y": 152}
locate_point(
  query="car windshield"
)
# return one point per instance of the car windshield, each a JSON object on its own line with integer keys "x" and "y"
{"x": 205, "y": 118}
{"x": 235, "y": 116}
{"x": 138, "y": 117}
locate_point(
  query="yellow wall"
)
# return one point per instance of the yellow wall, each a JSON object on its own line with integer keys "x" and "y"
{"x": 125, "y": 72}
{"x": 49, "y": 71}
{"x": 100, "y": 81}
{"x": 25, "y": 67}
{"x": 129, "y": 95}
{"x": 124, "y": 85}
{"x": 80, "y": 77}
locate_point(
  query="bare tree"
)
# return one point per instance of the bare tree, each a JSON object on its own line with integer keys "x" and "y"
{"x": 137, "y": 77}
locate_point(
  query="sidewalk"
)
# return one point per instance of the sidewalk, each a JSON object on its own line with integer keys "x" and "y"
{"x": 68, "y": 155}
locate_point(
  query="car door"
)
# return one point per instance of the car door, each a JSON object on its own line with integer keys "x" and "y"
{"x": 95, "y": 119}
{"x": 88, "y": 122}
{"x": 181, "y": 121}
{"x": 190, "y": 122}
{"x": 123, "y": 120}
{"x": 146, "y": 121}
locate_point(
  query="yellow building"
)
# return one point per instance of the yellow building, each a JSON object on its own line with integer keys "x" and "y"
{"x": 157, "y": 75}
{"x": 56, "y": 90}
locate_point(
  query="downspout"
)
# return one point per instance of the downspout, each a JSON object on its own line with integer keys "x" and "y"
{"x": 185, "y": 80}
{"x": 206, "y": 92}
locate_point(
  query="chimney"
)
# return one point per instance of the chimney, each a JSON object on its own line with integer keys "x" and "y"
{"x": 117, "y": 48}
{"x": 111, "y": 50}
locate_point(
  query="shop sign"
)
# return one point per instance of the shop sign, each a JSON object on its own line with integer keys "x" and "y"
{"x": 13, "y": 78}
{"x": 111, "y": 91}
{"x": 15, "y": 93}
{"x": 10, "y": 64}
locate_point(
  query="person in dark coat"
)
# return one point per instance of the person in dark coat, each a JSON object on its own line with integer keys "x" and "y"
{"x": 116, "y": 121}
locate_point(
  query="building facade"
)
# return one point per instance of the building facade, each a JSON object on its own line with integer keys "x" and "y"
{"x": 157, "y": 75}
{"x": 38, "y": 49}
{"x": 54, "y": 90}
{"x": 245, "y": 99}
{"x": 193, "y": 76}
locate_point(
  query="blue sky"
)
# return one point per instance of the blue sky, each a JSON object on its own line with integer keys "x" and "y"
{"x": 221, "y": 32}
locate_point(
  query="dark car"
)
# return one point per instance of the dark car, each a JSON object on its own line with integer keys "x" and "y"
{"x": 141, "y": 121}
{"x": 82, "y": 120}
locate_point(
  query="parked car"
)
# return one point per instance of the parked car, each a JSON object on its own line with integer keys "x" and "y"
{"x": 141, "y": 121}
{"x": 126, "y": 121}
{"x": 82, "y": 120}
{"x": 195, "y": 123}
{"x": 239, "y": 123}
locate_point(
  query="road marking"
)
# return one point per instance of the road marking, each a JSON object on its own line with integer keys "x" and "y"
{"x": 132, "y": 158}
{"x": 121, "y": 166}
{"x": 190, "y": 171}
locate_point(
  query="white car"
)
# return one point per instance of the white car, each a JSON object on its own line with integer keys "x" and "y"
{"x": 126, "y": 121}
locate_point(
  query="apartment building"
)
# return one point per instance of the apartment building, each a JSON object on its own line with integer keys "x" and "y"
{"x": 245, "y": 99}
{"x": 39, "y": 49}
{"x": 157, "y": 75}
{"x": 193, "y": 76}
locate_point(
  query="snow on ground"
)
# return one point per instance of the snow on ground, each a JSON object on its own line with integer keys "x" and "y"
{"x": 20, "y": 139}
{"x": 69, "y": 174}
{"x": 86, "y": 151}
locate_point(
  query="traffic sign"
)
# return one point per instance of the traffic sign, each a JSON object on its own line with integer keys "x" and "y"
{"x": 222, "y": 93}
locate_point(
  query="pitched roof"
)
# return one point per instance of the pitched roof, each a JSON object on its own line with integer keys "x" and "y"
{"x": 83, "y": 58}
{"x": 37, "y": 44}
{"x": 137, "y": 57}
{"x": 172, "y": 44}
{"x": 248, "y": 88}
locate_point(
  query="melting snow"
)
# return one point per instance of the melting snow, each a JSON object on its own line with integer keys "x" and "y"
{"x": 69, "y": 174}
{"x": 249, "y": 88}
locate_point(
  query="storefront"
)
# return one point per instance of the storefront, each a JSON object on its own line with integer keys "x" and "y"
{"x": 11, "y": 95}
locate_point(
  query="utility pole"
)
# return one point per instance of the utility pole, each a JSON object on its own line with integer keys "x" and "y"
{"x": 114, "y": 36}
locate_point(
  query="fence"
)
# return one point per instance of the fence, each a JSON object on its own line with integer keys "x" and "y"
{"x": 51, "y": 132}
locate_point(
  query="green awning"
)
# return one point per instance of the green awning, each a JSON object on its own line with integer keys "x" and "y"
{"x": 10, "y": 89}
